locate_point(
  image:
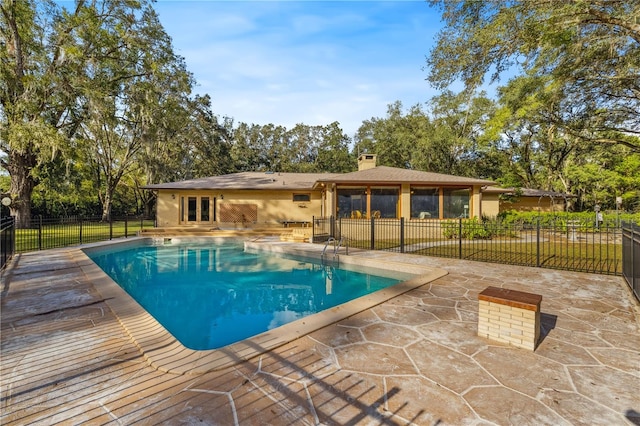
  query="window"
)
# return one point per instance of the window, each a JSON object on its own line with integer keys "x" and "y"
{"x": 204, "y": 209}
{"x": 192, "y": 203}
{"x": 384, "y": 202}
{"x": 456, "y": 202}
{"x": 425, "y": 203}
{"x": 299, "y": 198}
{"x": 352, "y": 202}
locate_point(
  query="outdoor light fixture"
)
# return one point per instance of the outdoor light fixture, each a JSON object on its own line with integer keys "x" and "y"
{"x": 6, "y": 201}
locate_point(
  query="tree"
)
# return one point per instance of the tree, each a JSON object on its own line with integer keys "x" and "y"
{"x": 394, "y": 137}
{"x": 454, "y": 143}
{"x": 333, "y": 151}
{"x": 128, "y": 98}
{"x": 208, "y": 139}
{"x": 525, "y": 134}
{"x": 302, "y": 149}
{"x": 590, "y": 50}
{"x": 252, "y": 149}
{"x": 602, "y": 174}
{"x": 100, "y": 70}
{"x": 443, "y": 139}
{"x": 38, "y": 111}
{"x": 316, "y": 149}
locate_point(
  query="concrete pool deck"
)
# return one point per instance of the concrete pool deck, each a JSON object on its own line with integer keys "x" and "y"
{"x": 414, "y": 359}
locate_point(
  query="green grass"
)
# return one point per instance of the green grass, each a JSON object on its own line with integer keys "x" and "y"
{"x": 600, "y": 258}
{"x": 68, "y": 234}
{"x": 592, "y": 256}
{"x": 387, "y": 244}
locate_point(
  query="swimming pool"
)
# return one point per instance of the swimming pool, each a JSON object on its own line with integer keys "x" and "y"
{"x": 215, "y": 293}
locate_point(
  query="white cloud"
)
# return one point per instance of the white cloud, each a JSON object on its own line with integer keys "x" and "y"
{"x": 298, "y": 62}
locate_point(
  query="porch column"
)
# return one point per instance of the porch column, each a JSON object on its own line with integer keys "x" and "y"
{"x": 476, "y": 202}
{"x": 405, "y": 201}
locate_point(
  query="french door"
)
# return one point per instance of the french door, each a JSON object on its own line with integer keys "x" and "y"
{"x": 196, "y": 210}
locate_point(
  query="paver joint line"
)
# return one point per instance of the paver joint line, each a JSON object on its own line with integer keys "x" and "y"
{"x": 495, "y": 388}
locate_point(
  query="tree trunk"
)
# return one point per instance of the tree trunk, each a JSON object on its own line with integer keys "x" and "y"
{"x": 22, "y": 184}
{"x": 106, "y": 207}
{"x": 149, "y": 205}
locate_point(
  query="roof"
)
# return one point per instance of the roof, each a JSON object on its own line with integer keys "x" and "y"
{"x": 396, "y": 175}
{"x": 307, "y": 181}
{"x": 249, "y": 180}
{"x": 528, "y": 192}
{"x": 498, "y": 190}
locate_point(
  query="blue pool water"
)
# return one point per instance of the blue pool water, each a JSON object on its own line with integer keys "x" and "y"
{"x": 214, "y": 294}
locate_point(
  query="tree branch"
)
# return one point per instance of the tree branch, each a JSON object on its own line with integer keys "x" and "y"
{"x": 632, "y": 29}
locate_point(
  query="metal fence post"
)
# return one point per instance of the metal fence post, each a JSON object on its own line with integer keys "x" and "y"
{"x": 12, "y": 238}
{"x": 80, "y": 220}
{"x": 402, "y": 235}
{"x": 332, "y": 226}
{"x": 635, "y": 286}
{"x": 459, "y": 238}
{"x": 126, "y": 227}
{"x": 40, "y": 232}
{"x": 110, "y": 227}
{"x": 616, "y": 229}
{"x": 373, "y": 234}
{"x": 538, "y": 242}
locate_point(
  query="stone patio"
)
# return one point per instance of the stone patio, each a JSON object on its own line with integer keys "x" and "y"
{"x": 415, "y": 359}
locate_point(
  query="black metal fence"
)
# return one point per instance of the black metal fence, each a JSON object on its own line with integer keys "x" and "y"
{"x": 7, "y": 240}
{"x": 561, "y": 244}
{"x": 47, "y": 233}
{"x": 631, "y": 257}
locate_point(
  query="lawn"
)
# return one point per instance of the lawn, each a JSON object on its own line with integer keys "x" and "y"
{"x": 67, "y": 234}
{"x": 587, "y": 256}
{"x": 589, "y": 253}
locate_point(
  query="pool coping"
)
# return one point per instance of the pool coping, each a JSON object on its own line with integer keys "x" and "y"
{"x": 164, "y": 352}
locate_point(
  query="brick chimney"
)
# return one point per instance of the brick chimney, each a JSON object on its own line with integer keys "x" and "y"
{"x": 366, "y": 161}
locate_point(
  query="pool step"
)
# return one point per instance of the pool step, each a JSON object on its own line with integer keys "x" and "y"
{"x": 298, "y": 235}
{"x": 217, "y": 232}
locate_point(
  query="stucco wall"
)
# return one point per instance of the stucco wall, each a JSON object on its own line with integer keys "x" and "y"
{"x": 167, "y": 209}
{"x": 276, "y": 206}
{"x": 490, "y": 205}
{"x": 527, "y": 204}
{"x": 273, "y": 207}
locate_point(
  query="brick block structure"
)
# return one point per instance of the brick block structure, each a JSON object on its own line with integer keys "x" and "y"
{"x": 509, "y": 316}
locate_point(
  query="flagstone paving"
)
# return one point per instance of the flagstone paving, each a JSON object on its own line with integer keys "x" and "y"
{"x": 415, "y": 359}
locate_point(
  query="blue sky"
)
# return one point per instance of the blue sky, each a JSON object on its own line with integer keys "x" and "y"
{"x": 311, "y": 62}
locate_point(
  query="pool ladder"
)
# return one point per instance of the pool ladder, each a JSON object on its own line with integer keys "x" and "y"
{"x": 336, "y": 247}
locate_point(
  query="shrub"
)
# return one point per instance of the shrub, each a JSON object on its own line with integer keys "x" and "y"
{"x": 472, "y": 229}
{"x": 586, "y": 220}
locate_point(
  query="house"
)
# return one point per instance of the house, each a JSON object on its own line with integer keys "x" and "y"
{"x": 526, "y": 199}
{"x": 251, "y": 199}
